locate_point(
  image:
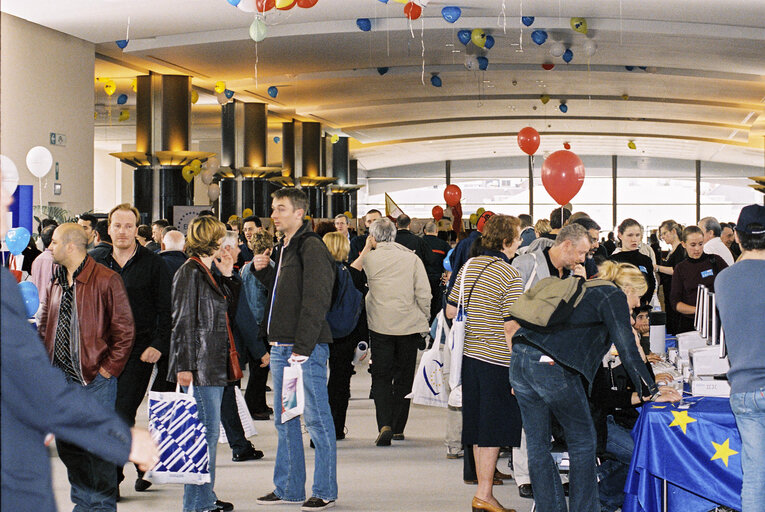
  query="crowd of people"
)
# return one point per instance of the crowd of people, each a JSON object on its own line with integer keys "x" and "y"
{"x": 119, "y": 299}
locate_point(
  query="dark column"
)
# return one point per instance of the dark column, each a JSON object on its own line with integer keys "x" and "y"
{"x": 340, "y": 161}
{"x": 142, "y": 195}
{"x": 143, "y": 185}
{"x": 176, "y": 112}
{"x": 227, "y": 199}
{"x": 288, "y": 149}
{"x": 353, "y": 178}
{"x": 228, "y": 136}
{"x": 255, "y": 133}
{"x": 341, "y": 203}
{"x": 173, "y": 191}
{"x": 316, "y": 200}
{"x": 311, "y": 149}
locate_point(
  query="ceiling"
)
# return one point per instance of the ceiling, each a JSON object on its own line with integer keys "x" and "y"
{"x": 701, "y": 90}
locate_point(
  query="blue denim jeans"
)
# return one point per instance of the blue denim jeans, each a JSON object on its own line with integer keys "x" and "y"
{"x": 544, "y": 390}
{"x": 749, "y": 409}
{"x": 201, "y": 498}
{"x": 289, "y": 470}
{"x": 612, "y": 473}
{"x": 93, "y": 480}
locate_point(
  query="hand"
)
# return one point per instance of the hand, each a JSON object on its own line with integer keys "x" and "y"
{"x": 234, "y": 250}
{"x": 653, "y": 358}
{"x": 668, "y": 394}
{"x": 664, "y": 377}
{"x": 224, "y": 262}
{"x": 260, "y": 261}
{"x": 580, "y": 271}
{"x": 297, "y": 359}
{"x": 184, "y": 378}
{"x": 104, "y": 373}
{"x": 151, "y": 355}
{"x": 265, "y": 360}
{"x": 143, "y": 450}
{"x": 370, "y": 244}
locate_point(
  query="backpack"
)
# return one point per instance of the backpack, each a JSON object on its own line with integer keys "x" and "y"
{"x": 548, "y": 305}
{"x": 344, "y": 313}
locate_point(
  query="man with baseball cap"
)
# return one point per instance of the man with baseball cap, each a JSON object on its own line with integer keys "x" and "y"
{"x": 740, "y": 293}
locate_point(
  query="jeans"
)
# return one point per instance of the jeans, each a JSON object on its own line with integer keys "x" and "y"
{"x": 613, "y": 472}
{"x": 339, "y": 385}
{"x": 131, "y": 389}
{"x": 94, "y": 480}
{"x": 544, "y": 390}
{"x": 393, "y": 364}
{"x": 232, "y": 424}
{"x": 749, "y": 409}
{"x": 289, "y": 468}
{"x": 200, "y": 498}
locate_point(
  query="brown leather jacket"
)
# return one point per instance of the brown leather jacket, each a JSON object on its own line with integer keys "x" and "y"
{"x": 105, "y": 321}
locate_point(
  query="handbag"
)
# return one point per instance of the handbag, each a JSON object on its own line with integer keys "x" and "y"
{"x": 293, "y": 395}
{"x": 244, "y": 417}
{"x": 234, "y": 369}
{"x": 429, "y": 387}
{"x": 175, "y": 426}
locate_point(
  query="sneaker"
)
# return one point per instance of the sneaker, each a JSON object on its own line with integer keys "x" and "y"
{"x": 384, "y": 437}
{"x": 250, "y": 454}
{"x": 272, "y": 499}
{"x": 314, "y": 503}
{"x": 398, "y": 437}
{"x": 454, "y": 454}
{"x": 223, "y": 506}
{"x": 141, "y": 485}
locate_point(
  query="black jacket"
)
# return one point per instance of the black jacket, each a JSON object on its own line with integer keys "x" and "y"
{"x": 414, "y": 243}
{"x": 147, "y": 281}
{"x": 437, "y": 252}
{"x": 173, "y": 260}
{"x": 303, "y": 293}
{"x": 100, "y": 251}
{"x": 200, "y": 342}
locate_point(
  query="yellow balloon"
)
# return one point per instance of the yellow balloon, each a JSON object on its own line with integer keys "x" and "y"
{"x": 134, "y": 85}
{"x": 284, "y": 3}
{"x": 473, "y": 218}
{"x": 220, "y": 86}
{"x": 95, "y": 115}
{"x": 246, "y": 213}
{"x": 188, "y": 173}
{"x": 579, "y": 25}
{"x": 478, "y": 36}
{"x": 194, "y": 97}
{"x": 402, "y": 1}
{"x": 348, "y": 214}
{"x": 544, "y": 99}
{"x": 196, "y": 164}
{"x": 334, "y": 138}
{"x": 625, "y": 97}
{"x": 631, "y": 144}
{"x": 124, "y": 116}
{"x": 480, "y": 211}
{"x": 110, "y": 87}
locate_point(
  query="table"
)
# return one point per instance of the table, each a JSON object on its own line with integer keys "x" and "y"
{"x": 685, "y": 459}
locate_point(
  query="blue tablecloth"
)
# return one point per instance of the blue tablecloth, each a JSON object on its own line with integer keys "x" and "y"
{"x": 696, "y": 450}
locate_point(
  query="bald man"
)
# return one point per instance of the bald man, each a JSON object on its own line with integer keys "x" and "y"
{"x": 172, "y": 253}
{"x": 88, "y": 329}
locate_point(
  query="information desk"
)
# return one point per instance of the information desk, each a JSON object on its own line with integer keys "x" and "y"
{"x": 685, "y": 459}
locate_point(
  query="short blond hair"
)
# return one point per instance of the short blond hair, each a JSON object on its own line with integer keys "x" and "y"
{"x": 128, "y": 208}
{"x": 624, "y": 275}
{"x": 338, "y": 245}
{"x": 203, "y": 235}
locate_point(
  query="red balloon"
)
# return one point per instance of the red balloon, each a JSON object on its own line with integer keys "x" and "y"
{"x": 288, "y": 7}
{"x": 562, "y": 175}
{"x": 528, "y": 140}
{"x": 306, "y": 4}
{"x": 438, "y": 213}
{"x": 264, "y": 5}
{"x": 547, "y": 66}
{"x": 566, "y": 145}
{"x": 412, "y": 11}
{"x": 452, "y": 195}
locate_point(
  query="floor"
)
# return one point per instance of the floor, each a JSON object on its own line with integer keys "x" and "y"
{"x": 410, "y": 475}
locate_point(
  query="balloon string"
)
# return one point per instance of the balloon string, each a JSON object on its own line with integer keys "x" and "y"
{"x": 127, "y": 36}
{"x": 503, "y": 17}
{"x": 39, "y": 187}
{"x": 520, "y": 21}
{"x": 256, "y": 64}
{"x": 411, "y": 30}
{"x": 422, "y": 42}
{"x": 621, "y": 27}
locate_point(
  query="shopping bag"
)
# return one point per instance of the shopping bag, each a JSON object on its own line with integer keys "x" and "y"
{"x": 174, "y": 423}
{"x": 456, "y": 338}
{"x": 244, "y": 416}
{"x": 428, "y": 387}
{"x": 293, "y": 398}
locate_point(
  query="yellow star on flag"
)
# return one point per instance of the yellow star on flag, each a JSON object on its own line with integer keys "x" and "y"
{"x": 723, "y": 451}
{"x": 659, "y": 406}
{"x": 681, "y": 420}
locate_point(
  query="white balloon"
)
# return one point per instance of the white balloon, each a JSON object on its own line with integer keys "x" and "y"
{"x": 213, "y": 164}
{"x": 207, "y": 176}
{"x": 471, "y": 62}
{"x": 222, "y": 98}
{"x": 213, "y": 192}
{"x": 39, "y": 161}
{"x": 10, "y": 174}
{"x": 258, "y": 30}
{"x": 557, "y": 50}
{"x": 589, "y": 48}
{"x": 246, "y": 6}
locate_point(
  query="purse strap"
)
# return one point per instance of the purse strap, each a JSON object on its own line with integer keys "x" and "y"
{"x": 470, "y": 294}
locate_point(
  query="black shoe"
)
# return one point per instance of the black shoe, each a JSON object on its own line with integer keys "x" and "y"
{"x": 565, "y": 489}
{"x": 268, "y": 388}
{"x": 339, "y": 436}
{"x": 250, "y": 454}
{"x": 525, "y": 491}
{"x": 261, "y": 416}
{"x": 311, "y": 444}
{"x": 314, "y": 503}
{"x": 223, "y": 506}
{"x": 141, "y": 485}
{"x": 398, "y": 437}
{"x": 272, "y": 499}
{"x": 384, "y": 437}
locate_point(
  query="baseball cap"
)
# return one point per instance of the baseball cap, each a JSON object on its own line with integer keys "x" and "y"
{"x": 752, "y": 214}
{"x": 482, "y": 220}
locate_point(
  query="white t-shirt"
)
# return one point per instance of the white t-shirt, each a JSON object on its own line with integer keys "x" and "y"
{"x": 716, "y": 246}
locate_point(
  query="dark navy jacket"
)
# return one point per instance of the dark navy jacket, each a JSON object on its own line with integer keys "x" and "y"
{"x": 35, "y": 400}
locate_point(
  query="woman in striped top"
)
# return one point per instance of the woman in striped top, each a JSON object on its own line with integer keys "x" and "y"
{"x": 490, "y": 414}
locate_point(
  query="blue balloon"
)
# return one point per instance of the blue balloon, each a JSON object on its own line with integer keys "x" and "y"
{"x": 642, "y": 67}
{"x": 539, "y": 37}
{"x": 234, "y": 2}
{"x": 568, "y": 55}
{"x": 483, "y": 63}
{"x": 464, "y": 36}
{"x": 527, "y": 20}
{"x": 629, "y": 68}
{"x": 30, "y": 296}
{"x": 563, "y": 108}
{"x": 273, "y": 91}
{"x": 382, "y": 70}
{"x": 384, "y": 1}
{"x": 364, "y": 24}
{"x": 229, "y": 93}
{"x": 277, "y": 140}
{"x": 17, "y": 240}
{"x": 122, "y": 43}
{"x": 447, "y": 261}
{"x": 489, "y": 43}
{"x": 435, "y": 81}
{"x": 451, "y": 13}
{"x": 122, "y": 99}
